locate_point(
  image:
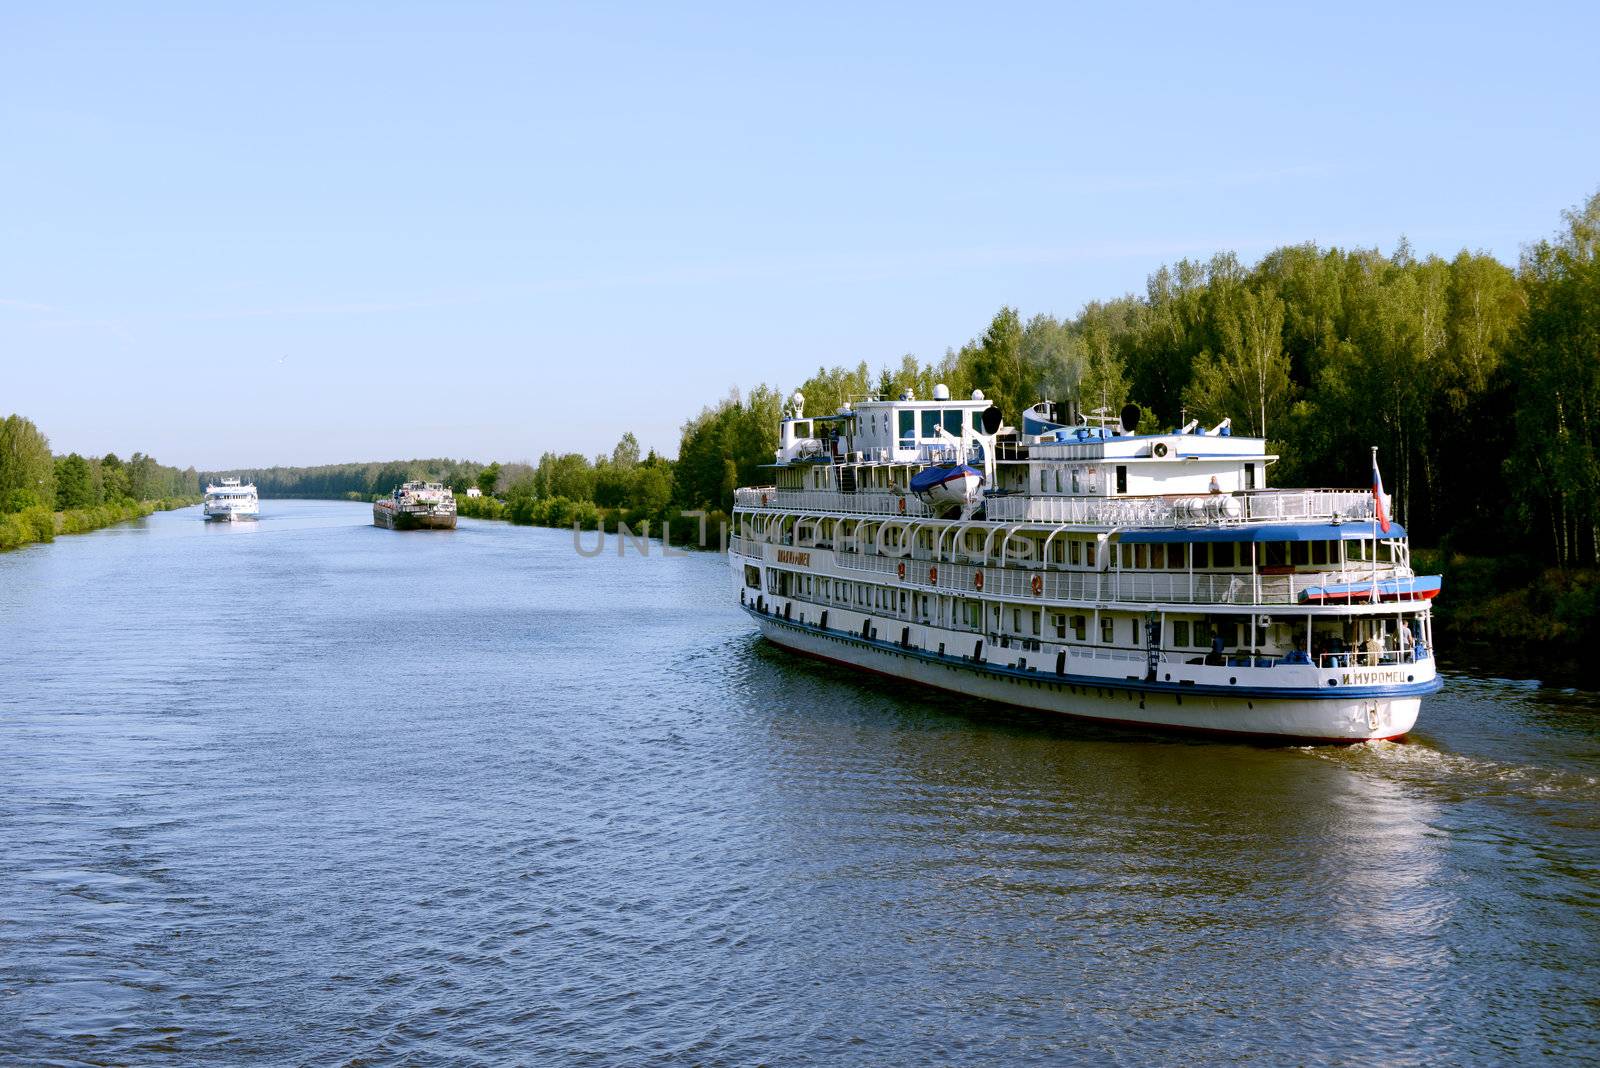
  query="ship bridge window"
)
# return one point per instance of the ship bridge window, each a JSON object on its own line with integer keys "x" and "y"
{"x": 752, "y": 577}
{"x": 802, "y": 430}
{"x": 908, "y": 429}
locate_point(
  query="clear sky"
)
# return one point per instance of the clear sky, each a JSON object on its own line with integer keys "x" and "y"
{"x": 305, "y": 233}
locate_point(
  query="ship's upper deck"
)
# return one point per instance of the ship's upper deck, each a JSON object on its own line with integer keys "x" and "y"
{"x": 861, "y": 461}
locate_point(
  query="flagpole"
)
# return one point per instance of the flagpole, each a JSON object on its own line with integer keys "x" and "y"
{"x": 1376, "y": 508}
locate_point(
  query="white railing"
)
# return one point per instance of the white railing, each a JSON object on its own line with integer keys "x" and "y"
{"x": 1179, "y": 587}
{"x": 867, "y": 502}
{"x": 1256, "y": 506}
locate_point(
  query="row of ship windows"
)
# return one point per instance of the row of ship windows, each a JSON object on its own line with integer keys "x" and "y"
{"x": 866, "y": 596}
{"x": 1180, "y": 556}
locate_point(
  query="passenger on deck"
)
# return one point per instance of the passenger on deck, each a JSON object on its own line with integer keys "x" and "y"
{"x": 1214, "y": 658}
{"x": 1374, "y": 648}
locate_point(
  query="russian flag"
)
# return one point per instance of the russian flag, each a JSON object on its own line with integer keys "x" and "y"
{"x": 1377, "y": 492}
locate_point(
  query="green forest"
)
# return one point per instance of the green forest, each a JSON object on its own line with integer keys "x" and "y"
{"x": 42, "y": 495}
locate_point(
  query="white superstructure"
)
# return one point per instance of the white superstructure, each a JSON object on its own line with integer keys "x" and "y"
{"x": 1080, "y": 568}
{"x": 230, "y": 500}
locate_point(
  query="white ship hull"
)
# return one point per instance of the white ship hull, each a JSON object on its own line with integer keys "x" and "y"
{"x": 1350, "y": 718}
{"x": 232, "y": 515}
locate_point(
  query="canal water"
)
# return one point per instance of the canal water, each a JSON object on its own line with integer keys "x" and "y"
{"x": 305, "y": 791}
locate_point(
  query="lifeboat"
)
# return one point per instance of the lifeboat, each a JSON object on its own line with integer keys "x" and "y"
{"x": 948, "y": 487}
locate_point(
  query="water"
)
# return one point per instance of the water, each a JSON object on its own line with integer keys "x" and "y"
{"x": 306, "y": 791}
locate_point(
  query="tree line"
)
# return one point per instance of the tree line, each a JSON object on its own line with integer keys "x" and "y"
{"x": 42, "y": 495}
{"x": 31, "y": 476}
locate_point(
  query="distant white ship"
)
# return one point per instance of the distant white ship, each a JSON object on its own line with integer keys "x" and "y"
{"x": 231, "y": 501}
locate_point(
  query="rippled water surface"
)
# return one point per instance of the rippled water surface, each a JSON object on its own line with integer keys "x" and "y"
{"x": 305, "y": 791}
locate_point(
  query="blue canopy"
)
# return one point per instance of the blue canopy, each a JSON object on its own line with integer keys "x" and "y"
{"x": 1348, "y": 531}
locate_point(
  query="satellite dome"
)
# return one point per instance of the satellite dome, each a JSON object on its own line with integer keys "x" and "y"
{"x": 941, "y": 392}
{"x": 977, "y": 394}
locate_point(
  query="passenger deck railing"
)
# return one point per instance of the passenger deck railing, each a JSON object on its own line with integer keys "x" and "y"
{"x": 1191, "y": 511}
{"x": 1177, "y": 587}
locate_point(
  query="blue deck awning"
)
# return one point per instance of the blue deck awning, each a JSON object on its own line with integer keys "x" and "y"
{"x": 1349, "y": 531}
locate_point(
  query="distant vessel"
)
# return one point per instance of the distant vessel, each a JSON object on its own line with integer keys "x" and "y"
{"x": 417, "y": 506}
{"x": 1082, "y": 568}
{"x": 230, "y": 500}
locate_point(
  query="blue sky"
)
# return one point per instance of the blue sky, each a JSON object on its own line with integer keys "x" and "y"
{"x": 301, "y": 233}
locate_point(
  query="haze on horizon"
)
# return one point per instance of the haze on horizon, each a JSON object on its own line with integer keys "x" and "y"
{"x": 238, "y": 237}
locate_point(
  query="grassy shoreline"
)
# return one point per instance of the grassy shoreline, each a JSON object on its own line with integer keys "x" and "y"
{"x": 36, "y": 525}
{"x": 562, "y": 514}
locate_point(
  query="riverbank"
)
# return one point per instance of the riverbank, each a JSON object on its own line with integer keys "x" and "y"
{"x": 38, "y": 524}
{"x": 687, "y": 531}
{"x": 1512, "y": 616}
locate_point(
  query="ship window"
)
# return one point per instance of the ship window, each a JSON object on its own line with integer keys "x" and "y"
{"x": 930, "y": 424}
{"x": 1300, "y": 553}
{"x": 1222, "y": 554}
{"x": 802, "y": 430}
{"x": 752, "y": 577}
{"x": 1180, "y": 632}
{"x": 952, "y": 422}
{"x": 1319, "y": 552}
{"x": 1059, "y": 622}
{"x": 1249, "y": 476}
{"x": 1036, "y": 623}
{"x": 1133, "y": 632}
{"x": 1080, "y": 628}
{"x": 1127, "y": 557}
{"x": 908, "y": 429}
{"x": 1175, "y": 557}
{"x": 1276, "y": 554}
{"x": 1077, "y": 552}
{"x": 1105, "y": 630}
{"x": 1141, "y": 556}
{"x": 1122, "y": 479}
{"x": 1074, "y": 480}
{"x": 1088, "y": 553}
{"x": 1016, "y": 621}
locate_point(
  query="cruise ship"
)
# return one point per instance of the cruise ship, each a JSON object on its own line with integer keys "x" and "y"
{"x": 416, "y": 506}
{"x": 1074, "y": 566}
{"x": 230, "y": 500}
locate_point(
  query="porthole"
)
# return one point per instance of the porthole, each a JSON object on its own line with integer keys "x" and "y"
{"x": 1333, "y": 682}
{"x": 1233, "y": 680}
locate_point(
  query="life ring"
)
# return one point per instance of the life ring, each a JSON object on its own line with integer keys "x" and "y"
{"x": 902, "y": 506}
{"x": 977, "y": 580}
{"x": 933, "y": 576}
{"x": 1037, "y": 585}
{"x": 902, "y": 571}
